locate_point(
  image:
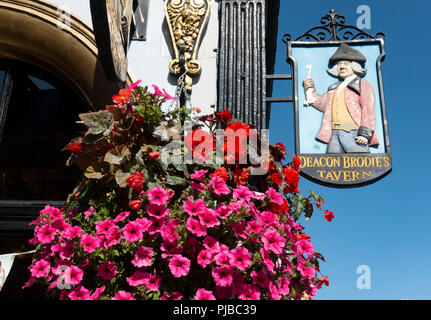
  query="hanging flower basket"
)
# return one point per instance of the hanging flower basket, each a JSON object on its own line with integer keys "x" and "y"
{"x": 140, "y": 225}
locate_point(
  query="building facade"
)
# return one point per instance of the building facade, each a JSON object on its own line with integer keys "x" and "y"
{"x": 51, "y": 70}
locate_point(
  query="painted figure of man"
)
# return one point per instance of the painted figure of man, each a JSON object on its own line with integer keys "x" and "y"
{"x": 349, "y": 120}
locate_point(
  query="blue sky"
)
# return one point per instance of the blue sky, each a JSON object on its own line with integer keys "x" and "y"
{"x": 384, "y": 225}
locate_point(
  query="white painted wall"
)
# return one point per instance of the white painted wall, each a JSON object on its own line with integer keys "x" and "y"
{"x": 149, "y": 60}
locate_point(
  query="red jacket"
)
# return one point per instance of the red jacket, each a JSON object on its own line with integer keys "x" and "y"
{"x": 360, "y": 100}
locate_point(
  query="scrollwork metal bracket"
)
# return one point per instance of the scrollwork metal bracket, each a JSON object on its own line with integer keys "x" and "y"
{"x": 186, "y": 20}
{"x": 333, "y": 28}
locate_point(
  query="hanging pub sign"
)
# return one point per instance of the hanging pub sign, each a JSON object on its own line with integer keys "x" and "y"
{"x": 341, "y": 132}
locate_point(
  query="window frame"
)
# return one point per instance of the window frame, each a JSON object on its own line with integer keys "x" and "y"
{"x": 15, "y": 215}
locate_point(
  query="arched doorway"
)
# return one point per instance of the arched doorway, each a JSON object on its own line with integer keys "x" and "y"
{"x": 48, "y": 75}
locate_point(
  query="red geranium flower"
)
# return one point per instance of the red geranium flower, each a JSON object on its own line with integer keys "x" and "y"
{"x": 241, "y": 176}
{"x": 154, "y": 155}
{"x": 122, "y": 97}
{"x": 225, "y": 116}
{"x": 296, "y": 164}
{"x": 136, "y": 181}
{"x": 220, "y": 172}
{"x": 292, "y": 177}
{"x": 195, "y": 139}
{"x": 135, "y": 205}
{"x": 75, "y": 149}
{"x": 328, "y": 215}
{"x": 276, "y": 178}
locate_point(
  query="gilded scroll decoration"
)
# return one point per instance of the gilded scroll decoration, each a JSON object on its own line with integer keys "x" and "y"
{"x": 186, "y": 20}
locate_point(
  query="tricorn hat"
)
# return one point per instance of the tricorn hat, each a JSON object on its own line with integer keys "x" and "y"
{"x": 345, "y": 52}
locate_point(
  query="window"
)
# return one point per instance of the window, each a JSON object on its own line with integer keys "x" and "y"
{"x": 38, "y": 115}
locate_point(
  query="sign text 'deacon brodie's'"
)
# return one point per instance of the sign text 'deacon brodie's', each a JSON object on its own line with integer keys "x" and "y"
{"x": 344, "y": 169}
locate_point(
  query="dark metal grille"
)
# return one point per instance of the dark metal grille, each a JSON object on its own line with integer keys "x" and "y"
{"x": 242, "y": 61}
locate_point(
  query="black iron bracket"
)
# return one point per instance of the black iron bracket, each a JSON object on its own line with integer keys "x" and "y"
{"x": 273, "y": 77}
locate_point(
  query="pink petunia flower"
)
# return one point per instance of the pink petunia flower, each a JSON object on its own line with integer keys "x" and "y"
{"x": 123, "y": 295}
{"x": 224, "y": 211}
{"x": 266, "y": 259}
{"x": 97, "y": 293}
{"x": 154, "y": 282}
{"x": 133, "y": 231}
{"x": 209, "y": 218}
{"x": 168, "y": 96}
{"x": 138, "y": 278}
{"x": 195, "y": 227}
{"x": 72, "y": 232}
{"x": 107, "y": 270}
{"x": 199, "y": 175}
{"x": 156, "y": 225}
{"x": 241, "y": 258}
{"x": 46, "y": 234}
{"x": 169, "y": 234}
{"x": 157, "y": 211}
{"x": 273, "y": 292}
{"x": 203, "y": 294}
{"x": 103, "y": 227}
{"x": 274, "y": 196}
{"x": 250, "y": 293}
{"x": 145, "y": 223}
{"x": 66, "y": 250}
{"x": 204, "y": 258}
{"x": 61, "y": 267}
{"x": 196, "y": 208}
{"x": 273, "y": 241}
{"x": 305, "y": 247}
{"x": 254, "y": 227}
{"x": 212, "y": 245}
{"x": 113, "y": 237}
{"x": 219, "y": 186}
{"x": 60, "y": 226}
{"x": 74, "y": 275}
{"x": 134, "y": 85}
{"x": 284, "y": 286}
{"x": 308, "y": 272}
{"x": 40, "y": 268}
{"x": 243, "y": 193}
{"x": 52, "y": 212}
{"x": 157, "y": 91}
{"x": 260, "y": 278}
{"x": 179, "y": 266}
{"x": 122, "y": 216}
{"x": 89, "y": 212}
{"x": 238, "y": 283}
{"x": 240, "y": 229}
{"x": 143, "y": 257}
{"x": 223, "y": 276}
{"x": 79, "y": 293}
{"x": 268, "y": 218}
{"x": 224, "y": 258}
{"x": 170, "y": 249}
{"x": 158, "y": 196}
{"x": 199, "y": 187}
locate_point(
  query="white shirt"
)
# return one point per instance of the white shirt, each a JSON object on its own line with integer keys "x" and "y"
{"x": 345, "y": 83}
